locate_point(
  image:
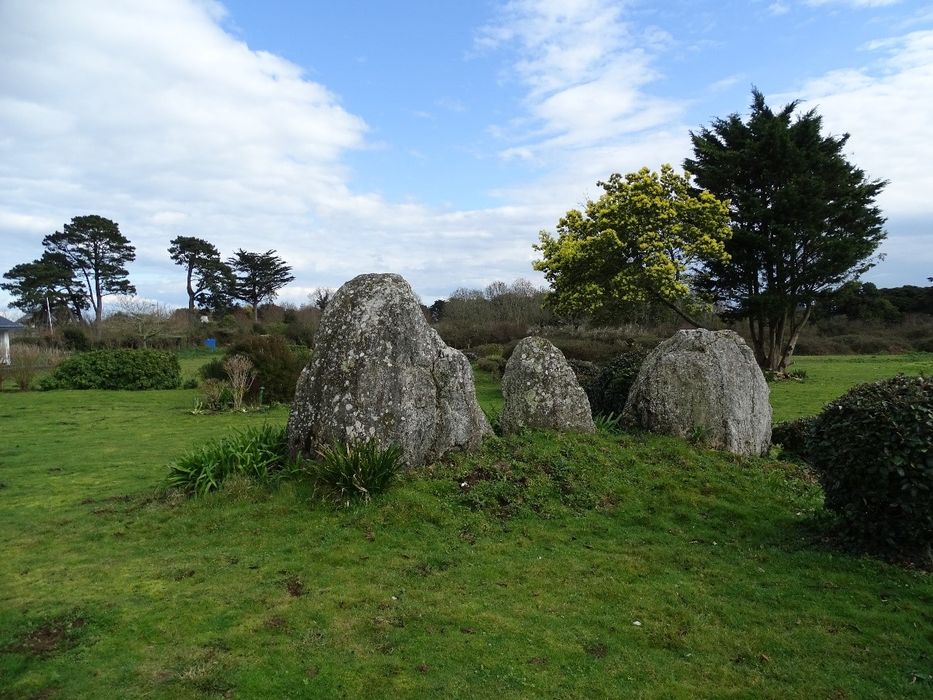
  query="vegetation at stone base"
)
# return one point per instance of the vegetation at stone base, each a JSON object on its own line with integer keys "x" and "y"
{"x": 804, "y": 220}
{"x": 257, "y": 454}
{"x": 116, "y": 369}
{"x": 609, "y": 390}
{"x": 793, "y": 436}
{"x": 528, "y": 587}
{"x": 637, "y": 242}
{"x": 873, "y": 451}
{"x": 344, "y": 473}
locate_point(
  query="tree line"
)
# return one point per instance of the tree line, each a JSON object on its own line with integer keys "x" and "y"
{"x": 86, "y": 261}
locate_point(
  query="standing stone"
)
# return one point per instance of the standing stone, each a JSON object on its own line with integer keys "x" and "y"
{"x": 379, "y": 372}
{"x": 541, "y": 391}
{"x": 705, "y": 385}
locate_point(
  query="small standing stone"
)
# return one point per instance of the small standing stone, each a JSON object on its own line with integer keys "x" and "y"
{"x": 705, "y": 385}
{"x": 541, "y": 391}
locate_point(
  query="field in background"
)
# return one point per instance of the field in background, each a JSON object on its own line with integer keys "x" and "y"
{"x": 605, "y": 565}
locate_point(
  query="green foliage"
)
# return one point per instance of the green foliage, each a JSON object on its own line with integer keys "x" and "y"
{"x": 116, "y": 369}
{"x": 346, "y": 473}
{"x": 609, "y": 391}
{"x": 213, "y": 369}
{"x": 794, "y": 436}
{"x": 494, "y": 364}
{"x": 209, "y": 280}
{"x": 254, "y": 453}
{"x": 75, "y": 338}
{"x": 47, "y": 284}
{"x": 277, "y": 365}
{"x": 258, "y": 277}
{"x": 94, "y": 250}
{"x": 873, "y": 450}
{"x": 804, "y": 219}
{"x": 635, "y": 243}
{"x": 608, "y": 422}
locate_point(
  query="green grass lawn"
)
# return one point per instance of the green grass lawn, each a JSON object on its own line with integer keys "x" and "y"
{"x": 571, "y": 566}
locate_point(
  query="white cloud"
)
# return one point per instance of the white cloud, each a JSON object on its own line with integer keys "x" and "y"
{"x": 151, "y": 114}
{"x": 585, "y": 70}
{"x": 887, "y": 106}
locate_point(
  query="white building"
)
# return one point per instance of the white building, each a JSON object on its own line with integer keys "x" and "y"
{"x": 7, "y": 327}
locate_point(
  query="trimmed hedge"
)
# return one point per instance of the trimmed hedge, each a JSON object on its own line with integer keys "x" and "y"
{"x": 116, "y": 369}
{"x": 794, "y": 436}
{"x": 873, "y": 451}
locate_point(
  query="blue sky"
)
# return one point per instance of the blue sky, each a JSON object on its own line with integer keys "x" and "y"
{"x": 434, "y": 139}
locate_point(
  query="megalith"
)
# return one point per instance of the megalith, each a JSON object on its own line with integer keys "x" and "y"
{"x": 541, "y": 391}
{"x": 703, "y": 385}
{"x": 380, "y": 372}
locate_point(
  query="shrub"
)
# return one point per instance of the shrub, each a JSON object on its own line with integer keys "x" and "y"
{"x": 608, "y": 392}
{"x": 241, "y": 374}
{"x": 74, "y": 338}
{"x": 255, "y": 453}
{"x": 794, "y": 436}
{"x": 277, "y": 365}
{"x": 494, "y": 365}
{"x": 215, "y": 394}
{"x": 213, "y": 369}
{"x": 873, "y": 451}
{"x": 117, "y": 369}
{"x": 27, "y": 360}
{"x": 345, "y": 473}
{"x": 585, "y": 372}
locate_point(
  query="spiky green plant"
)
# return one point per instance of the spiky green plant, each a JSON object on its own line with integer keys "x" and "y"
{"x": 346, "y": 472}
{"x": 257, "y": 453}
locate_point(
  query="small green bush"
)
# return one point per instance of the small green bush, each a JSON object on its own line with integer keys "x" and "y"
{"x": 608, "y": 392}
{"x": 873, "y": 451}
{"x": 214, "y": 370}
{"x": 794, "y": 436}
{"x": 277, "y": 365}
{"x": 255, "y": 453}
{"x": 116, "y": 369}
{"x": 494, "y": 365}
{"x": 345, "y": 473}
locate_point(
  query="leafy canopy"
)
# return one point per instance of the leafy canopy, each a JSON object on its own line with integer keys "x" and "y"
{"x": 48, "y": 280}
{"x": 258, "y": 277}
{"x": 208, "y": 278}
{"x": 95, "y": 251}
{"x": 804, "y": 219}
{"x": 637, "y": 242}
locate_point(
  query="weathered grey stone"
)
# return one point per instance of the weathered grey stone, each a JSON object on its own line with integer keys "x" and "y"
{"x": 541, "y": 391}
{"x": 380, "y": 372}
{"x": 706, "y": 385}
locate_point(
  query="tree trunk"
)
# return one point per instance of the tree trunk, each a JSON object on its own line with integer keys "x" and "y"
{"x": 788, "y": 351}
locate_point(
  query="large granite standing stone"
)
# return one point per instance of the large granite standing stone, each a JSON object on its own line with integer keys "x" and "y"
{"x": 380, "y": 372}
{"x": 705, "y": 385}
{"x": 541, "y": 391}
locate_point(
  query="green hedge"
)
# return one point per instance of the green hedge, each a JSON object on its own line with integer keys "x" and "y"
{"x": 116, "y": 369}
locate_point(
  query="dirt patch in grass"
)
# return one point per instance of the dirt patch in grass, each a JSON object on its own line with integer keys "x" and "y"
{"x": 294, "y": 586}
{"x": 50, "y": 637}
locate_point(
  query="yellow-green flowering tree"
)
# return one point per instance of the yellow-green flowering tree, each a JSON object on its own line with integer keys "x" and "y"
{"x": 637, "y": 242}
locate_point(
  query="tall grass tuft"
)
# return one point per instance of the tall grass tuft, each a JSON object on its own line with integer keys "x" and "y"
{"x": 256, "y": 453}
{"x": 345, "y": 473}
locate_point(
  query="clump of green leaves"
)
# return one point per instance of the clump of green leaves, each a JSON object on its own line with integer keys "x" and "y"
{"x": 116, "y": 369}
{"x": 255, "y": 453}
{"x": 873, "y": 451}
{"x": 608, "y": 422}
{"x": 609, "y": 391}
{"x": 794, "y": 436}
{"x": 345, "y": 473}
{"x": 635, "y": 243}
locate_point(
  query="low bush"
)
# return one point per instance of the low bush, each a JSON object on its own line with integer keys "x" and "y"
{"x": 873, "y": 451}
{"x": 255, "y": 453}
{"x": 277, "y": 365}
{"x": 214, "y": 369}
{"x": 794, "y": 436}
{"x": 116, "y": 369}
{"x": 494, "y": 365}
{"x": 609, "y": 391}
{"x": 344, "y": 473}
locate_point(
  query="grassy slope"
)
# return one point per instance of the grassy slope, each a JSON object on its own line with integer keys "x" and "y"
{"x": 420, "y": 594}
